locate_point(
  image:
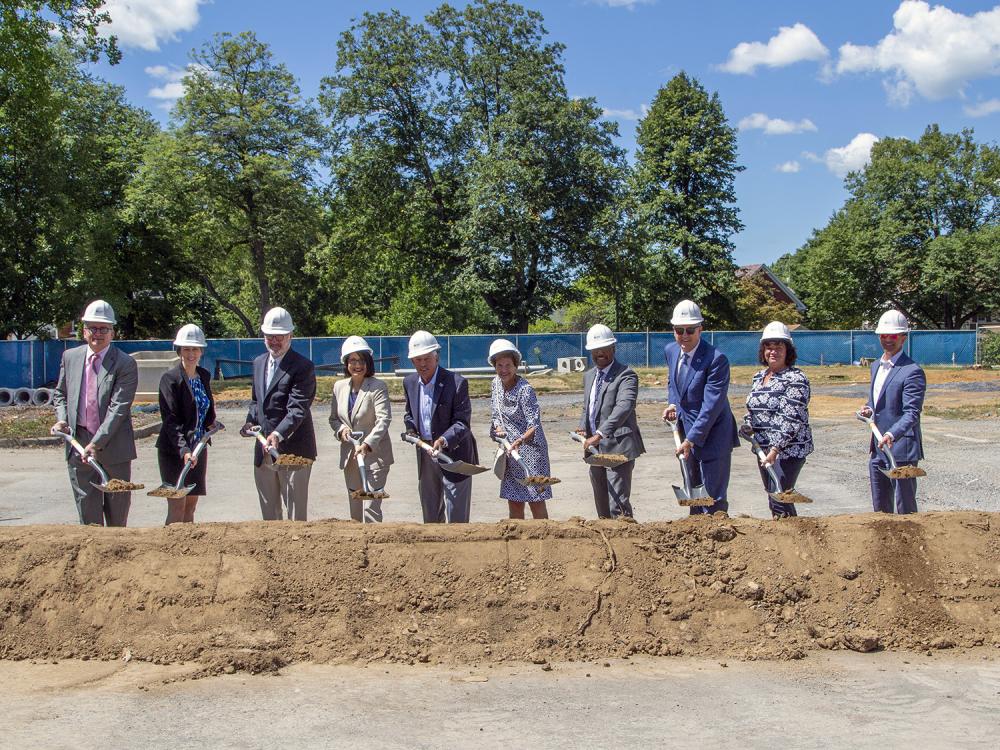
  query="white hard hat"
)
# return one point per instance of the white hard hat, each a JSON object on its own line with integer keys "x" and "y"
{"x": 99, "y": 311}
{"x": 687, "y": 313}
{"x": 892, "y": 321}
{"x": 190, "y": 335}
{"x": 776, "y": 331}
{"x": 422, "y": 342}
{"x": 599, "y": 336}
{"x": 352, "y": 345}
{"x": 277, "y": 321}
{"x": 503, "y": 345}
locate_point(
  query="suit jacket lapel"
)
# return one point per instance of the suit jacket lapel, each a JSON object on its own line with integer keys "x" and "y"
{"x": 613, "y": 371}
{"x": 888, "y": 379}
{"x": 344, "y": 401}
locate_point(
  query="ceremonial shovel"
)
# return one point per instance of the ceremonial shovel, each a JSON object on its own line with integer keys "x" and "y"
{"x": 286, "y": 462}
{"x": 366, "y": 492}
{"x": 180, "y": 490}
{"x": 779, "y": 496}
{"x": 446, "y": 463}
{"x": 124, "y": 486}
{"x": 894, "y": 471}
{"x": 596, "y": 458}
{"x": 529, "y": 479}
{"x": 687, "y": 495}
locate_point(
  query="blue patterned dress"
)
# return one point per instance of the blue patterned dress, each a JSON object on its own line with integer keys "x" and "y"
{"x": 515, "y": 412}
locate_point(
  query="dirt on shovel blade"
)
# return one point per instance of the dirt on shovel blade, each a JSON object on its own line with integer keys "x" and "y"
{"x": 120, "y": 485}
{"x": 791, "y": 496}
{"x": 540, "y": 480}
{"x": 696, "y": 502}
{"x": 907, "y": 472}
{"x": 609, "y": 460}
{"x": 165, "y": 491}
{"x": 290, "y": 459}
{"x": 362, "y": 495}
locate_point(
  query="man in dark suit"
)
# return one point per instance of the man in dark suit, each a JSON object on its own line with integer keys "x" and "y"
{"x": 896, "y": 398}
{"x": 284, "y": 386}
{"x": 610, "y": 392}
{"x": 438, "y": 409}
{"x": 93, "y": 401}
{"x": 698, "y": 398}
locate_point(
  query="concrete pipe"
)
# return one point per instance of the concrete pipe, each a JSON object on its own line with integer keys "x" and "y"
{"x": 41, "y": 397}
{"x": 6, "y": 396}
{"x": 22, "y": 397}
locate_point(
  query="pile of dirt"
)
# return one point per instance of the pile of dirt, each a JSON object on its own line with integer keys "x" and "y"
{"x": 256, "y": 596}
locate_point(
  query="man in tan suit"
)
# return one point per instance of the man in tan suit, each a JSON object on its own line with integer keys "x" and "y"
{"x": 93, "y": 401}
{"x": 361, "y": 404}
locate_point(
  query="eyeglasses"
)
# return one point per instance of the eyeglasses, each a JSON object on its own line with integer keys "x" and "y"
{"x": 689, "y": 331}
{"x": 355, "y": 361}
{"x": 773, "y": 344}
{"x": 276, "y": 336}
{"x": 99, "y": 330}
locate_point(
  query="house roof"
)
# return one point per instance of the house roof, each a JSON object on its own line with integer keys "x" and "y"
{"x": 753, "y": 269}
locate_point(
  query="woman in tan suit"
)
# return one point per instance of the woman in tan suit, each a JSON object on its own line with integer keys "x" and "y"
{"x": 361, "y": 404}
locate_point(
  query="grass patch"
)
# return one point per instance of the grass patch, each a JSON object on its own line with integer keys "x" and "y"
{"x": 23, "y": 422}
{"x": 982, "y": 410}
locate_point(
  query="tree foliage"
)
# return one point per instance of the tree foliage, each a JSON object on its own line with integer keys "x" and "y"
{"x": 919, "y": 233}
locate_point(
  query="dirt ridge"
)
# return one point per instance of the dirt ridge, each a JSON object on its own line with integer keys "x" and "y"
{"x": 257, "y": 596}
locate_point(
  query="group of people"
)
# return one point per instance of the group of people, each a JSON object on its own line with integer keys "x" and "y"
{"x": 97, "y": 384}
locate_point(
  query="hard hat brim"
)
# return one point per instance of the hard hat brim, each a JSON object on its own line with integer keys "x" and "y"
{"x": 600, "y": 344}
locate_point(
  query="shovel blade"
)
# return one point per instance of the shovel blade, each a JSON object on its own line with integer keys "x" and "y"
{"x": 461, "y": 467}
{"x": 605, "y": 460}
{"x": 698, "y": 497}
{"x": 171, "y": 492}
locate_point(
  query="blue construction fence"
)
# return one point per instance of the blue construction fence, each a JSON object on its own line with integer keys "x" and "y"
{"x": 32, "y": 364}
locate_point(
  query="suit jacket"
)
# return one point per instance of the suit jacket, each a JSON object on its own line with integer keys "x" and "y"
{"x": 451, "y": 418}
{"x": 898, "y": 408}
{"x": 615, "y": 417}
{"x": 702, "y": 400}
{"x": 285, "y": 406}
{"x": 116, "y": 384}
{"x": 179, "y": 412}
{"x": 372, "y": 415}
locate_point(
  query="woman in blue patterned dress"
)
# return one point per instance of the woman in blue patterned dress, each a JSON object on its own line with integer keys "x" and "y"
{"x": 517, "y": 417}
{"x": 778, "y": 413}
{"x": 187, "y": 410}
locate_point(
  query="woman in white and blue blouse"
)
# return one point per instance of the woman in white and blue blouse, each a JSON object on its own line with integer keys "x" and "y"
{"x": 778, "y": 413}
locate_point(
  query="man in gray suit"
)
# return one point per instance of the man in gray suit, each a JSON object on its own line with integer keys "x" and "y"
{"x": 93, "y": 401}
{"x": 610, "y": 391}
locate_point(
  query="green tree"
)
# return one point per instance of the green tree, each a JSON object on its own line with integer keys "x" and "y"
{"x": 681, "y": 203}
{"x": 756, "y": 305}
{"x": 918, "y": 233}
{"x": 233, "y": 184}
{"x": 464, "y": 161}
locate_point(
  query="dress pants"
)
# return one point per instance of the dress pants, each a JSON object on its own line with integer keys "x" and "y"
{"x": 277, "y": 487}
{"x": 612, "y": 490}
{"x": 787, "y": 470}
{"x": 714, "y": 474}
{"x": 365, "y": 511}
{"x": 883, "y": 492}
{"x": 441, "y": 499}
{"x": 92, "y": 505}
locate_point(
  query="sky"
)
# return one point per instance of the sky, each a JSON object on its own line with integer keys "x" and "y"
{"x": 810, "y": 86}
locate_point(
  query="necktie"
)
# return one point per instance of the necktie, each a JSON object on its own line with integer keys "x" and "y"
{"x": 596, "y": 397}
{"x": 270, "y": 372}
{"x": 91, "y": 421}
{"x": 682, "y": 370}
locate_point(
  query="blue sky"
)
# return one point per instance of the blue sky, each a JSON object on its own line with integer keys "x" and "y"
{"x": 810, "y": 85}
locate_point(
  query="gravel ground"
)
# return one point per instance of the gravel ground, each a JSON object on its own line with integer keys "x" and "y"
{"x": 962, "y": 463}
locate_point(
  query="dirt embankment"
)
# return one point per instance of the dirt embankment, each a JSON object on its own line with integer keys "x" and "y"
{"x": 256, "y": 596}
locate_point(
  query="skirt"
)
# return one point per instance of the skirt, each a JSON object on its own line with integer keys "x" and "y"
{"x": 171, "y": 466}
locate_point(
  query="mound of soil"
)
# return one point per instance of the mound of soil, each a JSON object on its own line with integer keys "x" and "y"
{"x": 256, "y": 596}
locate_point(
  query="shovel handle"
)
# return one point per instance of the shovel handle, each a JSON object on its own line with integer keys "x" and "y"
{"x": 414, "y": 440}
{"x": 878, "y": 438}
{"x": 581, "y": 439}
{"x": 83, "y": 453}
{"x": 258, "y": 433}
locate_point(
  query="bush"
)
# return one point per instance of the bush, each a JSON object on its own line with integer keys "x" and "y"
{"x": 989, "y": 348}
{"x": 345, "y": 324}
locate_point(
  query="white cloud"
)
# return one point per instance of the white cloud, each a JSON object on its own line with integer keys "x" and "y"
{"x": 625, "y": 114}
{"x": 854, "y": 156}
{"x": 791, "y": 44}
{"x": 172, "y": 87}
{"x": 989, "y": 107}
{"x": 146, "y": 23}
{"x": 775, "y": 125}
{"x": 935, "y": 51}
{"x": 788, "y": 167}
{"x": 630, "y": 4}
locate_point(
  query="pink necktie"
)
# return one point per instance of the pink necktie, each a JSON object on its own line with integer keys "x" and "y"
{"x": 91, "y": 421}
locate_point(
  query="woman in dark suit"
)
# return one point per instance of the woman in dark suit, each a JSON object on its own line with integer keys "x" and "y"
{"x": 187, "y": 409}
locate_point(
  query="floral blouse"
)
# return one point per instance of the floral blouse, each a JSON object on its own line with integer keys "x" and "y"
{"x": 779, "y": 412}
{"x": 202, "y": 402}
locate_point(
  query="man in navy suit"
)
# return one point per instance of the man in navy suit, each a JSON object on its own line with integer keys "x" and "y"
{"x": 698, "y": 396}
{"x": 284, "y": 386}
{"x": 896, "y": 398}
{"x": 438, "y": 409}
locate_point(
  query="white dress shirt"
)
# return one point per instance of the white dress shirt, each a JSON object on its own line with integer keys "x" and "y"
{"x": 427, "y": 404}
{"x": 884, "y": 367}
{"x": 598, "y": 380}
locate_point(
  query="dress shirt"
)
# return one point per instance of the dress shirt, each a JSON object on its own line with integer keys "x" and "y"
{"x": 91, "y": 368}
{"x": 427, "y": 404}
{"x": 601, "y": 379}
{"x": 884, "y": 366}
